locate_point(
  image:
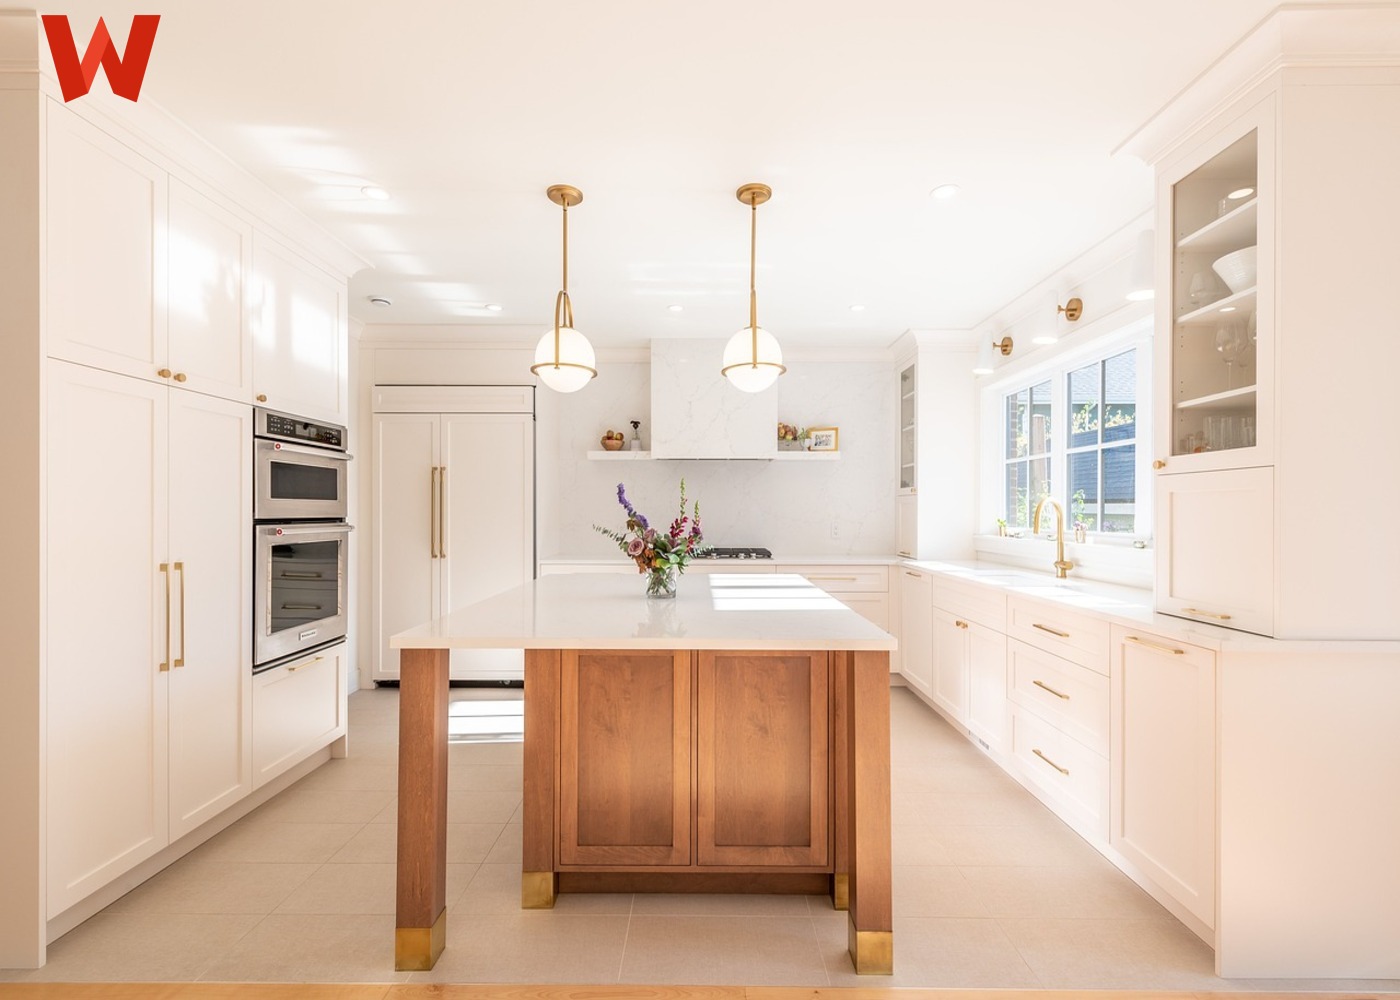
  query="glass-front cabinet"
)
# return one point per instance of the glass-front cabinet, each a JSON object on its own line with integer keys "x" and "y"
{"x": 908, "y": 432}
{"x": 1215, "y": 368}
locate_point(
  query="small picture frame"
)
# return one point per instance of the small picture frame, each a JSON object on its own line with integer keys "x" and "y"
{"x": 824, "y": 439}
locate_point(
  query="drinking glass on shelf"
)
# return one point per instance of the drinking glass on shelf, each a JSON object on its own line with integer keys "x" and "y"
{"x": 1251, "y": 328}
{"x": 1230, "y": 342}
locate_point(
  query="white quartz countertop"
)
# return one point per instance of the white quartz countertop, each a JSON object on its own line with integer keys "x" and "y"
{"x": 779, "y": 559}
{"x": 612, "y": 611}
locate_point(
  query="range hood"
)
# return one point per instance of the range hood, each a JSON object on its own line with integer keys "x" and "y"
{"x": 696, "y": 413}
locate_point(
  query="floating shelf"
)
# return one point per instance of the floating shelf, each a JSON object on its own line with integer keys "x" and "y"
{"x": 1220, "y": 400}
{"x": 807, "y": 456}
{"x": 1233, "y": 230}
{"x": 1211, "y": 314}
{"x": 619, "y": 456}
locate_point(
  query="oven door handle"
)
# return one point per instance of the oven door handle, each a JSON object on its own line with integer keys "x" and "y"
{"x": 296, "y": 530}
{"x": 304, "y": 449}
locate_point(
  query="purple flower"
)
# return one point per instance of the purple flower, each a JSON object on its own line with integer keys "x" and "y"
{"x": 635, "y": 547}
{"x": 627, "y": 506}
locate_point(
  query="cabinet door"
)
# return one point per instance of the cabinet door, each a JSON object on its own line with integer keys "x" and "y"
{"x": 105, "y": 225}
{"x": 299, "y": 335}
{"x": 908, "y": 438}
{"x": 488, "y": 497}
{"x": 211, "y": 349}
{"x": 298, "y": 708}
{"x": 107, "y": 630}
{"x": 763, "y": 758}
{"x": 907, "y": 510}
{"x": 916, "y": 629}
{"x": 987, "y": 711}
{"x": 1163, "y": 765}
{"x": 950, "y": 664}
{"x": 211, "y": 550}
{"x": 624, "y": 758}
{"x": 1215, "y": 547}
{"x": 407, "y": 521}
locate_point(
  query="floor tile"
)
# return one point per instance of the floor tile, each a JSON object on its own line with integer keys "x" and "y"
{"x": 277, "y": 843}
{"x": 467, "y": 843}
{"x": 934, "y": 892}
{"x": 1059, "y": 892}
{"x": 482, "y": 807}
{"x": 485, "y": 778}
{"x": 314, "y": 805}
{"x": 298, "y": 947}
{"x": 132, "y": 947}
{"x": 359, "y": 889}
{"x": 705, "y": 904}
{"x": 197, "y": 886}
{"x": 1143, "y": 953}
{"x": 353, "y": 774}
{"x": 723, "y": 950}
{"x": 1046, "y": 844}
{"x": 507, "y": 850}
{"x": 914, "y": 845}
{"x": 948, "y": 953}
{"x": 530, "y": 946}
{"x": 495, "y": 889}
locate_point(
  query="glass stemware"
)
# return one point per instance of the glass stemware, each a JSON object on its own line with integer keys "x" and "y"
{"x": 1230, "y": 342}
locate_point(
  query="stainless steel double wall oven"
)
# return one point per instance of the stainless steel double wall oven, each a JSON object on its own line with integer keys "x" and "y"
{"x": 300, "y": 536}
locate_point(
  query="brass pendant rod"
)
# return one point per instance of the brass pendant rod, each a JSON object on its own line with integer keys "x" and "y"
{"x": 566, "y": 246}
{"x": 753, "y": 272}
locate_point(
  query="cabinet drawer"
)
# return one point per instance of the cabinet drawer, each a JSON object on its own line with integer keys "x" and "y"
{"x": 843, "y": 579}
{"x": 1057, "y": 630}
{"x": 1072, "y": 698}
{"x": 298, "y": 708}
{"x": 1074, "y": 776}
{"x": 983, "y": 605}
{"x": 872, "y": 607}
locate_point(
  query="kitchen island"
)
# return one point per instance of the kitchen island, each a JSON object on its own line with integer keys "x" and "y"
{"x": 732, "y": 739}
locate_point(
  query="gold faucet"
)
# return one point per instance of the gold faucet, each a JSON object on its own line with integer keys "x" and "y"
{"x": 1062, "y": 565}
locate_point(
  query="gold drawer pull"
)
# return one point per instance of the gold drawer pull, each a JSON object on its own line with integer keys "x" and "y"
{"x": 1062, "y": 770}
{"x": 1156, "y": 645}
{"x": 318, "y": 659}
{"x": 1047, "y": 687}
{"x": 916, "y": 576}
{"x": 1052, "y": 631}
{"x": 906, "y": 555}
{"x": 959, "y": 623}
{"x": 1205, "y": 614}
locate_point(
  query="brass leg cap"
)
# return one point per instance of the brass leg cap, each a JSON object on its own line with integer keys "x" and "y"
{"x": 841, "y": 891}
{"x": 537, "y": 890}
{"x": 872, "y": 952}
{"x": 416, "y": 949}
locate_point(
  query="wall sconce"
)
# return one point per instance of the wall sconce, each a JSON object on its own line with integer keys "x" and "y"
{"x": 985, "y": 351}
{"x": 1050, "y": 332}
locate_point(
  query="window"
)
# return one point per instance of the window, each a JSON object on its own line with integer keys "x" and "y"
{"x": 1072, "y": 434}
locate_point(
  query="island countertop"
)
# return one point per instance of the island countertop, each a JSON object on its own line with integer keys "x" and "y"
{"x": 611, "y": 611}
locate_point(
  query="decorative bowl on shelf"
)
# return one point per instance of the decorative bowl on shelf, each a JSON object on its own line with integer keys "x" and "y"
{"x": 1239, "y": 270}
{"x": 612, "y": 444}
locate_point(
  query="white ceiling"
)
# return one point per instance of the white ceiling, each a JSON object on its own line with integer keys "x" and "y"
{"x": 466, "y": 111}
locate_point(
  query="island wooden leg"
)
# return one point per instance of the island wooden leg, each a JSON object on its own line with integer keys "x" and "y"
{"x": 841, "y": 775}
{"x": 868, "y": 752}
{"x": 420, "y": 927}
{"x": 539, "y": 883}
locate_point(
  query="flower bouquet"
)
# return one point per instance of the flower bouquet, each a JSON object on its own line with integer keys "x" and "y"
{"x": 659, "y": 554}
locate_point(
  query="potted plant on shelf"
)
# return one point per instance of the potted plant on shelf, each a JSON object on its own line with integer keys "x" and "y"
{"x": 791, "y": 437}
{"x": 661, "y": 555}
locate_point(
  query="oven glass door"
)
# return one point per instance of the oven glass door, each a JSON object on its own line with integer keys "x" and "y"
{"x": 300, "y": 586}
{"x": 294, "y": 481}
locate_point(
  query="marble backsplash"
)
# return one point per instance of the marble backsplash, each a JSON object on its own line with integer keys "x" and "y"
{"x": 844, "y": 507}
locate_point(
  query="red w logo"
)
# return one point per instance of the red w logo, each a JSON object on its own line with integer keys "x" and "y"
{"x": 124, "y": 75}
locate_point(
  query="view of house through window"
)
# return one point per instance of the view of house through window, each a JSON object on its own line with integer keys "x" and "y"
{"x": 1078, "y": 446}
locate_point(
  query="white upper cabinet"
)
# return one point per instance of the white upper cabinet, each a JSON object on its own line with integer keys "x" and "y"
{"x": 300, "y": 349}
{"x": 105, "y": 254}
{"x": 211, "y": 252}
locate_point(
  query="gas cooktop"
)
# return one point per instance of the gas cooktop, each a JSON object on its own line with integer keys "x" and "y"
{"x": 738, "y": 553}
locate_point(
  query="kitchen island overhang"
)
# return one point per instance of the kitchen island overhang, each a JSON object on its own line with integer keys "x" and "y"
{"x": 732, "y": 739}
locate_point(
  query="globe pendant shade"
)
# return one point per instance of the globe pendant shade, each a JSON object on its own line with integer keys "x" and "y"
{"x": 574, "y": 367}
{"x": 739, "y": 357}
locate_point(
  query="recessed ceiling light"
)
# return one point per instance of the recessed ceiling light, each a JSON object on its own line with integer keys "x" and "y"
{"x": 856, "y": 309}
{"x": 675, "y": 309}
{"x": 374, "y": 193}
{"x": 945, "y": 191}
{"x": 493, "y": 307}
{"x": 380, "y": 300}
{"x": 1239, "y": 193}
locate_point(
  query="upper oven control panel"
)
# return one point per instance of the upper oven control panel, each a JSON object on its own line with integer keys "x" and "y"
{"x": 286, "y": 427}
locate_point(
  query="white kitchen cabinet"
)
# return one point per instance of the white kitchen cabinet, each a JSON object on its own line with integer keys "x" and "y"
{"x": 148, "y": 622}
{"x": 105, "y": 250}
{"x": 863, "y": 589}
{"x": 298, "y": 708}
{"x": 1163, "y": 724}
{"x": 1215, "y": 550}
{"x": 211, "y": 254}
{"x": 916, "y": 636}
{"x": 988, "y": 716}
{"x": 453, "y": 520}
{"x": 300, "y": 343}
{"x": 950, "y": 664}
{"x": 907, "y": 528}
{"x": 908, "y": 434}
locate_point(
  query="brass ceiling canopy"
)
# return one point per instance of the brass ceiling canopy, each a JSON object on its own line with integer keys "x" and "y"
{"x": 565, "y": 195}
{"x": 754, "y": 195}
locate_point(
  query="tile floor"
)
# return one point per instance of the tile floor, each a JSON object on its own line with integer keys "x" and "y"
{"x": 991, "y": 890}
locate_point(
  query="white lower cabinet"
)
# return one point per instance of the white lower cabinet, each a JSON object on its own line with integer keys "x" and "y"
{"x": 907, "y": 520}
{"x": 149, "y": 621}
{"x": 1071, "y": 777}
{"x": 950, "y": 664}
{"x": 988, "y": 712}
{"x": 1164, "y": 761}
{"x": 298, "y": 708}
{"x": 916, "y": 629}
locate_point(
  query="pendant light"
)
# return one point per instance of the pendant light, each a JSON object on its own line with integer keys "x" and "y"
{"x": 752, "y": 358}
{"x": 564, "y": 358}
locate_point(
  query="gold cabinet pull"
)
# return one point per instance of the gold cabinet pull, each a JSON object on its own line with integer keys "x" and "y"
{"x": 165, "y": 572}
{"x": 432, "y": 515}
{"x": 1156, "y": 645}
{"x": 1205, "y": 614}
{"x": 181, "y": 377}
{"x": 1052, "y": 631}
{"x": 1159, "y": 464}
{"x": 179, "y": 567}
{"x": 442, "y": 517}
{"x": 906, "y": 555}
{"x": 959, "y": 623}
{"x": 262, "y": 397}
{"x": 916, "y": 576}
{"x": 293, "y": 669}
{"x": 1047, "y": 687}
{"x": 164, "y": 373}
{"x": 1062, "y": 770}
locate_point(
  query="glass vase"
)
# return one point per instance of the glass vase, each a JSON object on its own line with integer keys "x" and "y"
{"x": 661, "y": 583}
